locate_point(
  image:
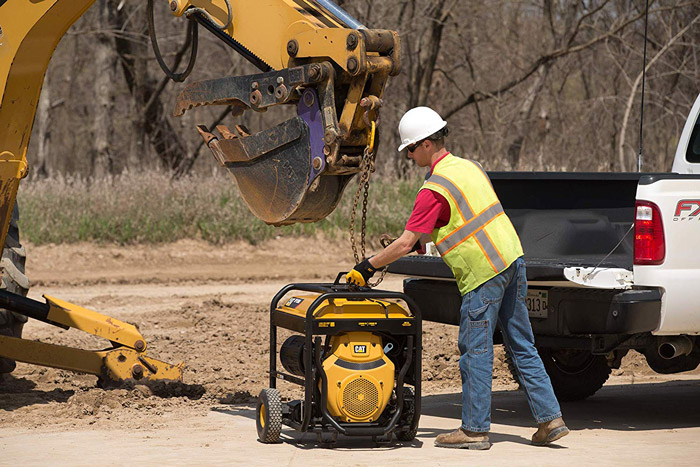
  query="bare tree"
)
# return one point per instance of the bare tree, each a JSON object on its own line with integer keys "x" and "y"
{"x": 42, "y": 133}
{"x": 102, "y": 157}
{"x": 133, "y": 48}
{"x": 530, "y": 84}
{"x": 622, "y": 159}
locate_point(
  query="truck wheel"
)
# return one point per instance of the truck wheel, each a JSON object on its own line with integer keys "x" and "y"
{"x": 575, "y": 374}
{"x": 13, "y": 280}
{"x": 269, "y": 415}
{"x": 409, "y": 407}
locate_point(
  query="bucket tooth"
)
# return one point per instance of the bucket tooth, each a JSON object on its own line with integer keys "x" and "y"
{"x": 204, "y": 133}
{"x": 242, "y": 131}
{"x": 225, "y": 132}
{"x": 212, "y": 142}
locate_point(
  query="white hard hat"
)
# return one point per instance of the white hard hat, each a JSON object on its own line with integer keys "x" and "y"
{"x": 417, "y": 124}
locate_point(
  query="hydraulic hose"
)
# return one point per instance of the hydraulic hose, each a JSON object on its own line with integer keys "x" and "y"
{"x": 192, "y": 36}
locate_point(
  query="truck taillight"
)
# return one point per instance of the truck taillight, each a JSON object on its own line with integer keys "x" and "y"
{"x": 649, "y": 245}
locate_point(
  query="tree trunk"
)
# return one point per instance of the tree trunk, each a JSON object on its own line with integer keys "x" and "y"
{"x": 622, "y": 160}
{"x": 145, "y": 90}
{"x": 102, "y": 157}
{"x": 422, "y": 50}
{"x": 40, "y": 167}
{"x": 521, "y": 127}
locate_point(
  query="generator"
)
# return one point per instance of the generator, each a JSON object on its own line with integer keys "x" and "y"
{"x": 357, "y": 354}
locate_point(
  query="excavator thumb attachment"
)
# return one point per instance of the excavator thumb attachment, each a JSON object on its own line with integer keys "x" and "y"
{"x": 282, "y": 173}
{"x": 275, "y": 172}
{"x": 125, "y": 360}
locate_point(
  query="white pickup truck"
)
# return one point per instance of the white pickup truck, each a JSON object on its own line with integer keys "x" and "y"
{"x": 613, "y": 264}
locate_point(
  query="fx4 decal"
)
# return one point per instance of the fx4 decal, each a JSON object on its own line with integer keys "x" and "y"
{"x": 687, "y": 209}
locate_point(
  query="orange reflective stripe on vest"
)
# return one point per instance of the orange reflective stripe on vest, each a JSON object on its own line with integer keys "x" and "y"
{"x": 470, "y": 228}
{"x": 456, "y": 194}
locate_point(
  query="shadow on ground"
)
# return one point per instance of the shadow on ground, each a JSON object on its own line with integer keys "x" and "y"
{"x": 310, "y": 441}
{"x": 16, "y": 393}
{"x": 20, "y": 392}
{"x": 628, "y": 407}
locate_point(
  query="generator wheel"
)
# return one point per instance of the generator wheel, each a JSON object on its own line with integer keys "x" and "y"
{"x": 409, "y": 407}
{"x": 269, "y": 416}
{"x": 13, "y": 280}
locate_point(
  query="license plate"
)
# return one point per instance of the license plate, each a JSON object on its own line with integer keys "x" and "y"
{"x": 537, "y": 301}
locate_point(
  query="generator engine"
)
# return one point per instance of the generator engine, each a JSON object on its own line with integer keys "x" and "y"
{"x": 360, "y": 377}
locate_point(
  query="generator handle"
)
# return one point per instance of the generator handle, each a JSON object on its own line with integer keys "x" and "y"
{"x": 378, "y": 294}
{"x": 337, "y": 278}
{"x": 328, "y": 292}
{"x": 302, "y": 287}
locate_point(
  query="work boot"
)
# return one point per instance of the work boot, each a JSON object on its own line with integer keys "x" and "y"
{"x": 550, "y": 431}
{"x": 461, "y": 438}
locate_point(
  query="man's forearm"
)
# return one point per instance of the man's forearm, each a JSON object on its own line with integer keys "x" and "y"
{"x": 398, "y": 249}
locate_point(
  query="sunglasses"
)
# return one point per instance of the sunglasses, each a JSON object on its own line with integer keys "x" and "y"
{"x": 414, "y": 146}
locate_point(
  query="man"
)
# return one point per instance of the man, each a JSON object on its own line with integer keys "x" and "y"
{"x": 460, "y": 211}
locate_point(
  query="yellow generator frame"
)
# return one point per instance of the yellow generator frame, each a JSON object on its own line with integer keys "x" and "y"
{"x": 355, "y": 322}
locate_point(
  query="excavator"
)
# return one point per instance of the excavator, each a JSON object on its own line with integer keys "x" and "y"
{"x": 311, "y": 54}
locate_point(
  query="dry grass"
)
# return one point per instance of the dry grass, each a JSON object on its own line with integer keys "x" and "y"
{"x": 152, "y": 208}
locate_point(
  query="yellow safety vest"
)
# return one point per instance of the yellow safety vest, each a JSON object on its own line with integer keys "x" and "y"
{"x": 479, "y": 241}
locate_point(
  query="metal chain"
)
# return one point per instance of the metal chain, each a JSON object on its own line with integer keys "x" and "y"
{"x": 366, "y": 169}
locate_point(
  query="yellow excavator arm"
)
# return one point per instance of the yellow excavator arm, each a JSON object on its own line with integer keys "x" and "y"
{"x": 311, "y": 55}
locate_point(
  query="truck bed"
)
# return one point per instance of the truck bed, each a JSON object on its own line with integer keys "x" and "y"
{"x": 563, "y": 219}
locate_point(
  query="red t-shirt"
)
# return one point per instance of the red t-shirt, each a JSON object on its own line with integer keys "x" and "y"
{"x": 430, "y": 211}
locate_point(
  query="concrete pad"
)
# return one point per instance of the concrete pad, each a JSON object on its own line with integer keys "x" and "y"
{"x": 630, "y": 424}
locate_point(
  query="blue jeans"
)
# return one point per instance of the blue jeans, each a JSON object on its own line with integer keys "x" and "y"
{"x": 500, "y": 301}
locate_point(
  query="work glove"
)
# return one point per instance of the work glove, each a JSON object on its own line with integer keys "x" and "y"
{"x": 385, "y": 240}
{"x": 361, "y": 273}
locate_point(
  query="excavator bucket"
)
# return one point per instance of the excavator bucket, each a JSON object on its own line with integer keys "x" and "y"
{"x": 275, "y": 172}
{"x": 335, "y": 76}
{"x": 283, "y": 173}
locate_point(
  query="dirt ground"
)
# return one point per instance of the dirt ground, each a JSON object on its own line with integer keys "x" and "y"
{"x": 209, "y": 307}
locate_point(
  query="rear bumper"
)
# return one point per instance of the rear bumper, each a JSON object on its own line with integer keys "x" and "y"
{"x": 630, "y": 312}
{"x": 572, "y": 311}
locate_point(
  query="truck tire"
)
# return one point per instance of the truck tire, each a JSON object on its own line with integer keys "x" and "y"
{"x": 13, "y": 280}
{"x": 575, "y": 374}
